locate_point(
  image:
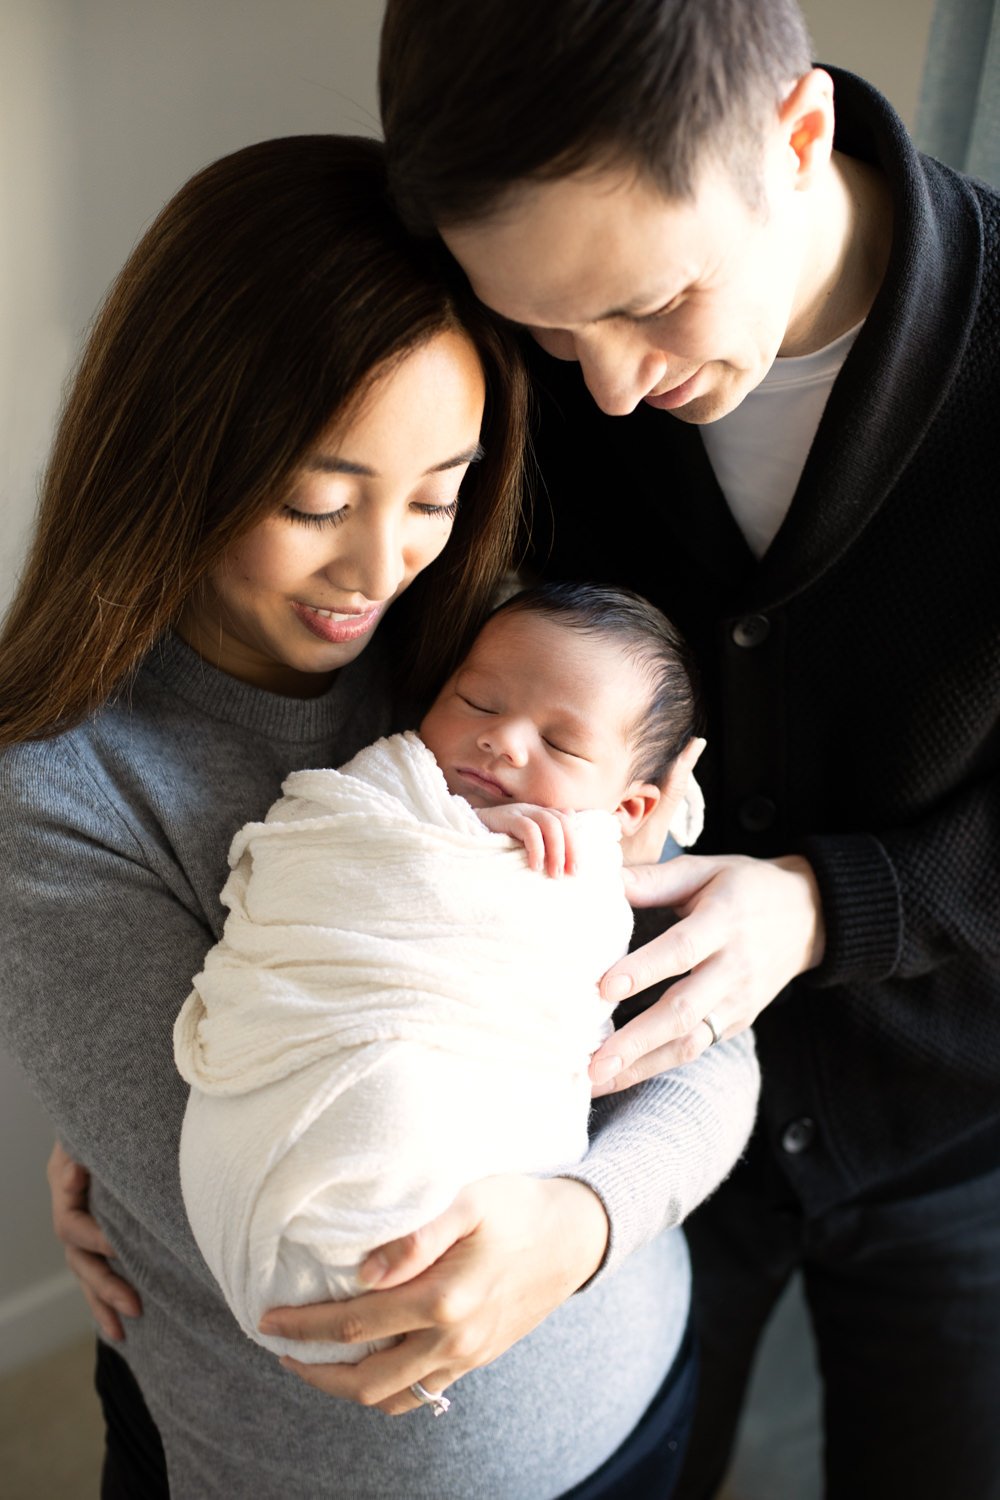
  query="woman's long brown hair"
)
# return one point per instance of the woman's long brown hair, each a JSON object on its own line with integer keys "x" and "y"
{"x": 255, "y": 309}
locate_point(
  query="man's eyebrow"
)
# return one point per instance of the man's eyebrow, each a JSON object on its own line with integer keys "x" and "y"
{"x": 330, "y": 463}
{"x": 640, "y": 307}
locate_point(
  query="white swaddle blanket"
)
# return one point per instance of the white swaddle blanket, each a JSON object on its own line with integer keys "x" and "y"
{"x": 398, "y": 1007}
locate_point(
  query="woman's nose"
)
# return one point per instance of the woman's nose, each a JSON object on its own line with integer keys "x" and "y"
{"x": 375, "y": 566}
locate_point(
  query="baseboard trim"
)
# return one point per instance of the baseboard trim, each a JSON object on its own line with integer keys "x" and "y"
{"x": 40, "y": 1319}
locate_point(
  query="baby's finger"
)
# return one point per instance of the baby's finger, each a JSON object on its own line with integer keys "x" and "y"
{"x": 531, "y": 836}
{"x": 554, "y": 835}
{"x": 569, "y": 829}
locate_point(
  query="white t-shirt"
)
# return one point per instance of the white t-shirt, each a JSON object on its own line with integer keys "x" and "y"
{"x": 758, "y": 451}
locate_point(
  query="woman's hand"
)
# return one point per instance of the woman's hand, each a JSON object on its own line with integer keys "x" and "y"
{"x": 458, "y": 1292}
{"x": 87, "y": 1251}
{"x": 747, "y": 927}
{"x": 545, "y": 832}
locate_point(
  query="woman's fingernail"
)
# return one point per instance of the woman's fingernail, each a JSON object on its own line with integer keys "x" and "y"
{"x": 606, "y": 1069}
{"x": 267, "y": 1324}
{"x": 618, "y": 987}
{"x": 373, "y": 1269}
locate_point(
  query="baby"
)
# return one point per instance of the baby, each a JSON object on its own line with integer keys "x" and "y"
{"x": 403, "y": 1001}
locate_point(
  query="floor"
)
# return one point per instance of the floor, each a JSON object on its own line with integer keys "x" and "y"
{"x": 50, "y": 1429}
{"x": 50, "y": 1432}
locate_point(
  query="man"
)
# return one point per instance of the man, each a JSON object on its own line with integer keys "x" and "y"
{"x": 772, "y": 409}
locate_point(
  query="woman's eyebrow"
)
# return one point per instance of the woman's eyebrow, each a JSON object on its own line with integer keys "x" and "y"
{"x": 330, "y": 463}
{"x": 467, "y": 456}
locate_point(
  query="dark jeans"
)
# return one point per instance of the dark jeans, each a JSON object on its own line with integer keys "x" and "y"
{"x": 134, "y": 1465}
{"x": 645, "y": 1467}
{"x": 904, "y": 1299}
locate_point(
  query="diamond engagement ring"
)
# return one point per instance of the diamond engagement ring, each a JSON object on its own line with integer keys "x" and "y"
{"x": 438, "y": 1403}
{"x": 714, "y": 1027}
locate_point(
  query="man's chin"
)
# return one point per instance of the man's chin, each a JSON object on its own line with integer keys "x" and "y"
{"x": 709, "y": 406}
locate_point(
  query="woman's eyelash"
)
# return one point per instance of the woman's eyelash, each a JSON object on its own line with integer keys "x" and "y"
{"x": 337, "y": 517}
{"x": 446, "y": 512}
{"x": 310, "y": 518}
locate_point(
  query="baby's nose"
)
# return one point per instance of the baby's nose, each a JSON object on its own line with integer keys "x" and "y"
{"x": 504, "y": 739}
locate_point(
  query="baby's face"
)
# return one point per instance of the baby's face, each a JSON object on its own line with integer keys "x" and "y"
{"x": 538, "y": 712}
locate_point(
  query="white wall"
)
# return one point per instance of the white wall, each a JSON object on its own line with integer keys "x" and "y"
{"x": 883, "y": 40}
{"x": 108, "y": 106}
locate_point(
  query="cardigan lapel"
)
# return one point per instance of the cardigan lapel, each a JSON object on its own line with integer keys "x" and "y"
{"x": 904, "y": 360}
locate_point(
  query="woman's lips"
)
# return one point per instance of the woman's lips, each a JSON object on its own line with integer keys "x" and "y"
{"x": 336, "y": 627}
{"x": 678, "y": 396}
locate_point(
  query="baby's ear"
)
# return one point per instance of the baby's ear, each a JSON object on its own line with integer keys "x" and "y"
{"x": 637, "y": 806}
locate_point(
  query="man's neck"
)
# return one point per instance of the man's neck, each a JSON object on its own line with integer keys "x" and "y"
{"x": 847, "y": 249}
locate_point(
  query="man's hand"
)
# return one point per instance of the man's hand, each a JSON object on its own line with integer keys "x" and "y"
{"x": 747, "y": 927}
{"x": 457, "y": 1293}
{"x": 87, "y": 1251}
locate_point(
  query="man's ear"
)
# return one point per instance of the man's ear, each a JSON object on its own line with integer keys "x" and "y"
{"x": 638, "y": 804}
{"x": 805, "y": 121}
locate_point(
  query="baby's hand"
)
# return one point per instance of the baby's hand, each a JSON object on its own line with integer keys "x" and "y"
{"x": 546, "y": 833}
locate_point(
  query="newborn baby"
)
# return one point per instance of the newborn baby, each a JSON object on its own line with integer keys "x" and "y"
{"x": 405, "y": 998}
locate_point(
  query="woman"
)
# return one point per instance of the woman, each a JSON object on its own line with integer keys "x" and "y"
{"x": 263, "y": 450}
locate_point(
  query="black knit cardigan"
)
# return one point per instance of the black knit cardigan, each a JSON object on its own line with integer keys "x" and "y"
{"x": 851, "y": 680}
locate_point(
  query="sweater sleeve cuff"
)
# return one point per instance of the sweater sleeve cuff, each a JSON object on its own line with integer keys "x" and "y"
{"x": 862, "y": 910}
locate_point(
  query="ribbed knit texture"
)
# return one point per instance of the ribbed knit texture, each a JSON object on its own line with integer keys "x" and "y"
{"x": 113, "y": 843}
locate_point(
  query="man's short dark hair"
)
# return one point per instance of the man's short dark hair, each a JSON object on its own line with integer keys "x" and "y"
{"x": 478, "y": 95}
{"x": 664, "y": 724}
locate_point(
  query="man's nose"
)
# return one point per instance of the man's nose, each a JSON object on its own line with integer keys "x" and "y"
{"x": 617, "y": 370}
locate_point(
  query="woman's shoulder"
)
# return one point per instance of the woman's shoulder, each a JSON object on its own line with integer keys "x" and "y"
{"x": 62, "y": 782}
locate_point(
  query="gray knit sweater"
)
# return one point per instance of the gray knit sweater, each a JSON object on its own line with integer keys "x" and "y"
{"x": 113, "y": 842}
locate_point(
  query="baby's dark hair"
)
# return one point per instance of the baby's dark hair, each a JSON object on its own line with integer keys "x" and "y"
{"x": 670, "y": 716}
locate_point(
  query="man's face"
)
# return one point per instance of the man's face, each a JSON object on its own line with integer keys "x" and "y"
{"x": 683, "y": 305}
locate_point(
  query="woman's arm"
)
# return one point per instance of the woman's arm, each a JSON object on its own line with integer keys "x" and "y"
{"x": 98, "y": 942}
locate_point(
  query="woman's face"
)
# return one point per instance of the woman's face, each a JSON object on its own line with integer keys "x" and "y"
{"x": 371, "y": 505}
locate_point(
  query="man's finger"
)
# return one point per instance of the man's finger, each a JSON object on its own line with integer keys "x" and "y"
{"x": 671, "y": 883}
{"x": 79, "y": 1229}
{"x": 668, "y": 1029}
{"x": 674, "y": 952}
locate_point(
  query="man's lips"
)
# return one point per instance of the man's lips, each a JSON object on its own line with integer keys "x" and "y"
{"x": 337, "y": 626}
{"x": 482, "y": 783}
{"x": 678, "y": 395}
